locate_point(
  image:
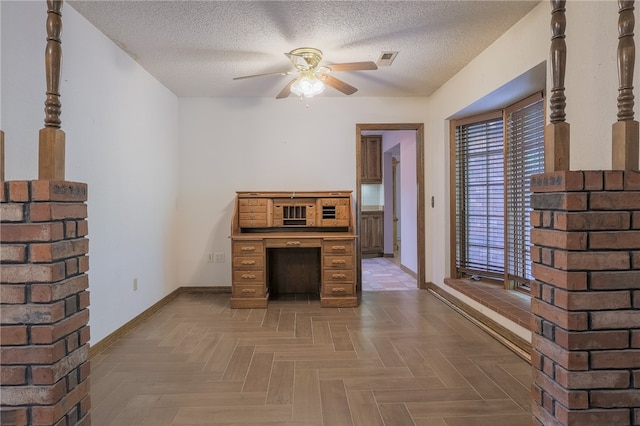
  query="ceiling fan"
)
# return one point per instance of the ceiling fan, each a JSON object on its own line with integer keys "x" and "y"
{"x": 312, "y": 78}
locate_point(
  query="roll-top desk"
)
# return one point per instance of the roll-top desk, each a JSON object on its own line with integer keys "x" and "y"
{"x": 293, "y": 242}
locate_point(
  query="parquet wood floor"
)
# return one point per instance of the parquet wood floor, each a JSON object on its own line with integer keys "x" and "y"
{"x": 400, "y": 358}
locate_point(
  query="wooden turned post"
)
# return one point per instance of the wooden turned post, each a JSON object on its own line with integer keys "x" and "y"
{"x": 625, "y": 131}
{"x": 624, "y": 145}
{"x": 556, "y": 147}
{"x": 51, "y": 154}
{"x": 556, "y": 133}
{"x": 51, "y": 149}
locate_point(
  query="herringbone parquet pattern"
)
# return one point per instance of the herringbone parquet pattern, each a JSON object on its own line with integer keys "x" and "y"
{"x": 400, "y": 358}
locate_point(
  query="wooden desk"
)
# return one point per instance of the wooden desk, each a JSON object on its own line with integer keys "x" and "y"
{"x": 303, "y": 239}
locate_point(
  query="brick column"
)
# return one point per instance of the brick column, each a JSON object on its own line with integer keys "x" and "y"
{"x": 44, "y": 336}
{"x": 586, "y": 300}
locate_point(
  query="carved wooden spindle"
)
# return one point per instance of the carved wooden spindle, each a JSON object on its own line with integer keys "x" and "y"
{"x": 625, "y": 130}
{"x": 51, "y": 149}
{"x": 557, "y": 132}
{"x": 53, "y": 59}
{"x": 558, "y": 61}
{"x": 626, "y": 59}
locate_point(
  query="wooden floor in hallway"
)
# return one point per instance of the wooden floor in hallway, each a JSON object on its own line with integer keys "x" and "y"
{"x": 400, "y": 358}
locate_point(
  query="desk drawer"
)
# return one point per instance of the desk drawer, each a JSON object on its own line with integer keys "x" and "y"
{"x": 262, "y": 208}
{"x": 248, "y": 262}
{"x": 338, "y": 262}
{"x": 337, "y": 247}
{"x": 338, "y": 223}
{"x": 293, "y": 242}
{"x": 333, "y": 289}
{"x": 248, "y": 248}
{"x": 338, "y": 275}
{"x": 243, "y": 202}
{"x": 253, "y": 220}
{"x": 248, "y": 290}
{"x": 248, "y": 277}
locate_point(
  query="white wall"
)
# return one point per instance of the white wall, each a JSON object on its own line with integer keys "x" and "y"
{"x": 1, "y": 45}
{"x": 121, "y": 139}
{"x": 387, "y": 178}
{"x": 409, "y": 200}
{"x": 230, "y": 145}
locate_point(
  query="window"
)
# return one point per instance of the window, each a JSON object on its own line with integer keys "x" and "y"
{"x": 525, "y": 157}
{"x": 492, "y": 191}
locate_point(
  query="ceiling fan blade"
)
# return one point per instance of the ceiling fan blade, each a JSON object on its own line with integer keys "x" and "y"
{"x": 353, "y": 66}
{"x": 286, "y": 91}
{"x": 268, "y": 73}
{"x": 340, "y": 85}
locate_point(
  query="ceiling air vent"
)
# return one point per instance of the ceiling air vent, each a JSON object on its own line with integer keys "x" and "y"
{"x": 386, "y": 58}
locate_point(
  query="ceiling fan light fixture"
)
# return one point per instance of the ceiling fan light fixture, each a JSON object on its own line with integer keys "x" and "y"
{"x": 313, "y": 78}
{"x": 307, "y": 86}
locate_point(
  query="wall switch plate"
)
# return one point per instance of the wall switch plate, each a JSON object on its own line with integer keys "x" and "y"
{"x": 210, "y": 260}
{"x": 135, "y": 284}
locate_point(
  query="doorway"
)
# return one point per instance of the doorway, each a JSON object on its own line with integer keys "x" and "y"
{"x": 418, "y": 206}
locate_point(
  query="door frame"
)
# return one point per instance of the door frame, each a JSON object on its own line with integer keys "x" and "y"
{"x": 420, "y": 226}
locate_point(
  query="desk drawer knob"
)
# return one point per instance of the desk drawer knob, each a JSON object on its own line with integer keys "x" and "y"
{"x": 338, "y": 290}
{"x": 338, "y": 276}
{"x": 248, "y": 262}
{"x": 248, "y": 248}
{"x": 338, "y": 248}
{"x": 293, "y": 243}
{"x": 338, "y": 262}
{"x": 248, "y": 290}
{"x": 248, "y": 276}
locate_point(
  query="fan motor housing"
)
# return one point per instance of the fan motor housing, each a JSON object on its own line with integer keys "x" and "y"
{"x": 311, "y": 55}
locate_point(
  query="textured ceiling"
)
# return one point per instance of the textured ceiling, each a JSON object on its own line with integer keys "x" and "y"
{"x": 195, "y": 48}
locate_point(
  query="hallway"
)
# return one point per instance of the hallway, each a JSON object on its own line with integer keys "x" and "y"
{"x": 382, "y": 274}
{"x": 400, "y": 358}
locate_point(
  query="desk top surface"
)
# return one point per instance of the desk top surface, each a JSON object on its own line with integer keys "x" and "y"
{"x": 293, "y": 235}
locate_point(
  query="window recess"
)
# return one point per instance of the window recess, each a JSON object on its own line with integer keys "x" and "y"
{"x": 494, "y": 157}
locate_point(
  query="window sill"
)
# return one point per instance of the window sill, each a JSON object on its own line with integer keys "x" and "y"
{"x": 512, "y": 304}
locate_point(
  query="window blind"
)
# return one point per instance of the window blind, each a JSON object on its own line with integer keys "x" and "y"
{"x": 525, "y": 157}
{"x": 480, "y": 198}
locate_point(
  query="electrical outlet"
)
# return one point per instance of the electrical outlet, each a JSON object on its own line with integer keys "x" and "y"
{"x": 219, "y": 257}
{"x": 135, "y": 284}
{"x": 210, "y": 258}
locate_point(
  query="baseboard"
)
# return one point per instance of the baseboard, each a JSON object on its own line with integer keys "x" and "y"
{"x": 408, "y": 271}
{"x": 209, "y": 290}
{"x": 426, "y": 285}
{"x": 139, "y": 319}
{"x": 371, "y": 255}
{"x": 505, "y": 336}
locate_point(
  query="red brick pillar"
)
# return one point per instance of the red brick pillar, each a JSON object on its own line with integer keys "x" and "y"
{"x": 586, "y": 300}
{"x": 44, "y": 335}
